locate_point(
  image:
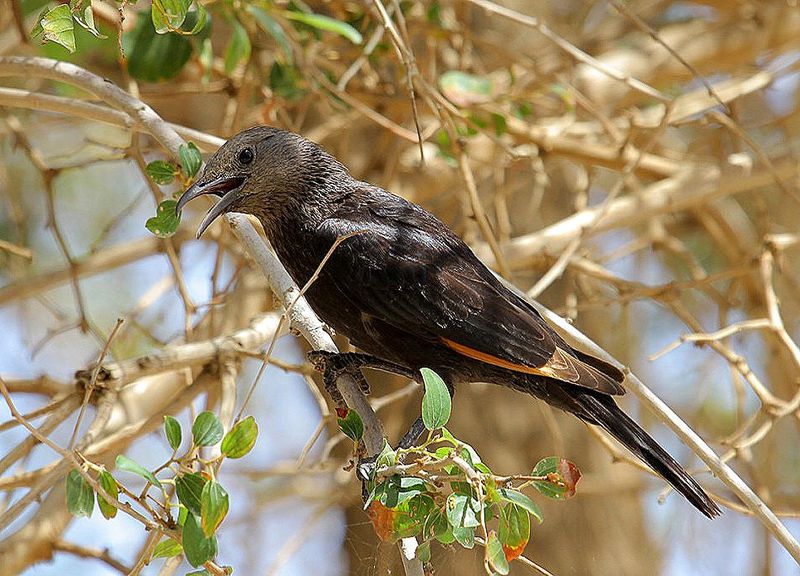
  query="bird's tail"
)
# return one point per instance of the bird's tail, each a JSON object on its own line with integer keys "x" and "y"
{"x": 604, "y": 412}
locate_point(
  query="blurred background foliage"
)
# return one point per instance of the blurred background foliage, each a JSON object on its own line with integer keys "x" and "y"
{"x": 639, "y": 156}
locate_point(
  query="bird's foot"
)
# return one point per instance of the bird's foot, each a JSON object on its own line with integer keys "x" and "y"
{"x": 334, "y": 364}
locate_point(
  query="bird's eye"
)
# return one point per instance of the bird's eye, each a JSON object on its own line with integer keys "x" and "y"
{"x": 246, "y": 156}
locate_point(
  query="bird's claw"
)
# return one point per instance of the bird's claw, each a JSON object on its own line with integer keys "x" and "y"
{"x": 320, "y": 359}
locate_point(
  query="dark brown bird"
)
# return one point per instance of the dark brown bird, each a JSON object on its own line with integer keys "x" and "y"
{"x": 409, "y": 292}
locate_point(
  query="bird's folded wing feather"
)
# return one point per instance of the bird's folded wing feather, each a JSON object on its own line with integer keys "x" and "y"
{"x": 405, "y": 268}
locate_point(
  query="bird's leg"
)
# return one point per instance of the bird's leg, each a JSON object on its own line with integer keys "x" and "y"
{"x": 410, "y": 438}
{"x": 334, "y": 364}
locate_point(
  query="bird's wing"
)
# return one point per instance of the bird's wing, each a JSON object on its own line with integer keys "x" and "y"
{"x": 404, "y": 267}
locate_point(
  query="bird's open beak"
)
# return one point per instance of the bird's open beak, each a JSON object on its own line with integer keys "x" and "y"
{"x": 228, "y": 187}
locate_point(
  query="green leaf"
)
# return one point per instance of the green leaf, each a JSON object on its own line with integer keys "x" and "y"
{"x": 522, "y": 110}
{"x": 129, "y": 465}
{"x": 546, "y": 467}
{"x": 206, "y": 58}
{"x": 166, "y": 221}
{"x": 435, "y": 524}
{"x": 410, "y": 516}
{"x": 108, "y": 484}
{"x": 167, "y": 549}
{"x": 196, "y": 546}
{"x": 201, "y": 18}
{"x": 168, "y": 15}
{"x": 434, "y": 13}
{"x": 467, "y": 452}
{"x": 464, "y": 89}
{"x": 326, "y": 23}
{"x": 521, "y": 500}
{"x": 58, "y": 26}
{"x": 436, "y": 402}
{"x": 172, "y": 429}
{"x": 213, "y": 507}
{"x": 397, "y": 489}
{"x": 352, "y": 426}
{"x": 387, "y": 456}
{"x": 80, "y": 496}
{"x": 464, "y": 536}
{"x": 564, "y": 477}
{"x": 240, "y": 439}
{"x": 183, "y": 512}
{"x": 495, "y": 555}
{"x": 514, "y": 528}
{"x": 161, "y": 172}
{"x": 500, "y": 125}
{"x": 285, "y": 80}
{"x": 191, "y": 159}
{"x": 154, "y": 57}
{"x": 37, "y": 30}
{"x": 461, "y": 511}
{"x": 189, "y": 488}
{"x": 423, "y": 553}
{"x": 271, "y": 27}
{"x": 238, "y": 49}
{"x": 86, "y": 21}
{"x": 207, "y": 429}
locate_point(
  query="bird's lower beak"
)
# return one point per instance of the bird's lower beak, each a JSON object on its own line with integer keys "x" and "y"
{"x": 228, "y": 187}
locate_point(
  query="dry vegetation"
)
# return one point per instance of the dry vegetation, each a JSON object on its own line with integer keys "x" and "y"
{"x": 631, "y": 164}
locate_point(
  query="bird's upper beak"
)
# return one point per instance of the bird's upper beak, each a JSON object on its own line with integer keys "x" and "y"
{"x": 228, "y": 187}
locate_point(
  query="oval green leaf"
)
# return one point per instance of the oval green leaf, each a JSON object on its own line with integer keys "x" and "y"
{"x": 196, "y": 546}
{"x": 154, "y": 57}
{"x": 240, "y": 439}
{"x": 189, "y": 488}
{"x": 436, "y": 403}
{"x": 80, "y": 496}
{"x": 352, "y": 426}
{"x": 166, "y": 221}
{"x": 465, "y": 537}
{"x": 130, "y": 465}
{"x": 461, "y": 512}
{"x": 109, "y": 485}
{"x": 495, "y": 556}
{"x": 191, "y": 159}
{"x": 161, "y": 172}
{"x": 172, "y": 430}
{"x": 514, "y": 528}
{"x": 207, "y": 429}
{"x": 57, "y": 26}
{"x": 168, "y": 15}
{"x": 213, "y": 507}
{"x": 167, "y": 549}
{"x": 521, "y": 500}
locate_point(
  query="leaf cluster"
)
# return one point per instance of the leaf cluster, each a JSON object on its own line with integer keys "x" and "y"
{"x": 185, "y": 483}
{"x": 442, "y": 491}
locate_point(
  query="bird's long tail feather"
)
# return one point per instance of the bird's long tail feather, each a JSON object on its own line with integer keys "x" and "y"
{"x": 605, "y": 413}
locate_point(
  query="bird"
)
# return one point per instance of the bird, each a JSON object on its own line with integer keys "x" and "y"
{"x": 407, "y": 291}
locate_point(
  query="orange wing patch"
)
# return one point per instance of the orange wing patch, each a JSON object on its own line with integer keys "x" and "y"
{"x": 546, "y": 370}
{"x": 560, "y": 366}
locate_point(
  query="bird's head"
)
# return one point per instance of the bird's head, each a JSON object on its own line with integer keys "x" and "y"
{"x": 259, "y": 171}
